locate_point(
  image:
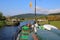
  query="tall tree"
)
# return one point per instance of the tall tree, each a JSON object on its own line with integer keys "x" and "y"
{"x": 1, "y": 15}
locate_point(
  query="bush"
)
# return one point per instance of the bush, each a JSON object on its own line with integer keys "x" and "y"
{"x": 2, "y": 23}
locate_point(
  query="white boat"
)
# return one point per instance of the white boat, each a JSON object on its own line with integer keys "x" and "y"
{"x": 49, "y": 27}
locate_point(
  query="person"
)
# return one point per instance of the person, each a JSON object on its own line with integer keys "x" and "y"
{"x": 29, "y": 25}
{"x": 34, "y": 27}
{"x": 35, "y": 37}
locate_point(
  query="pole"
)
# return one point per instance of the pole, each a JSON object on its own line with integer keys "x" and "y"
{"x": 35, "y": 12}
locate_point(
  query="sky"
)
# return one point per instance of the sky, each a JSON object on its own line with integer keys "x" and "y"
{"x": 15, "y": 7}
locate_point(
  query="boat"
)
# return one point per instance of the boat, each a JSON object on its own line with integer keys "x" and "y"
{"x": 41, "y": 34}
{"x": 49, "y": 27}
{"x": 25, "y": 30}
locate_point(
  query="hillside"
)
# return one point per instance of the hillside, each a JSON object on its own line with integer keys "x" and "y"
{"x": 28, "y": 15}
{"x": 54, "y": 14}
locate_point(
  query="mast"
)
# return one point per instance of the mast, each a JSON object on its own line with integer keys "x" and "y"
{"x": 35, "y": 12}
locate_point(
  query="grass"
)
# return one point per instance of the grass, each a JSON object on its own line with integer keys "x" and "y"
{"x": 55, "y": 23}
{"x": 2, "y": 23}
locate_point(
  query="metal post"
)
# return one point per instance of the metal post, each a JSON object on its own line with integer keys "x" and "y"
{"x": 35, "y": 12}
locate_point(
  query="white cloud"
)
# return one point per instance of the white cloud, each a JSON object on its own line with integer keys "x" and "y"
{"x": 54, "y": 10}
{"x": 46, "y": 11}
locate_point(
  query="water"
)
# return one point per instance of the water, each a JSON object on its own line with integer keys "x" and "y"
{"x": 7, "y": 33}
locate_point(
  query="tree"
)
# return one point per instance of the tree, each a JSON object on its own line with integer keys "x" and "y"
{"x": 1, "y": 15}
{"x": 2, "y": 20}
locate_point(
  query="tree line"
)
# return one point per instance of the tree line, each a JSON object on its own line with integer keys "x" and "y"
{"x": 2, "y": 20}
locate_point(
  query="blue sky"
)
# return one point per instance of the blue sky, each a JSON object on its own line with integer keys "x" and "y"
{"x": 15, "y": 7}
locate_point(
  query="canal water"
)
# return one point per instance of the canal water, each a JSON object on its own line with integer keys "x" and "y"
{"x": 7, "y": 33}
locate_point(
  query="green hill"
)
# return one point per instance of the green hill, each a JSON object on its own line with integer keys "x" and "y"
{"x": 29, "y": 15}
